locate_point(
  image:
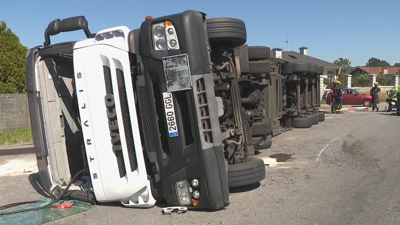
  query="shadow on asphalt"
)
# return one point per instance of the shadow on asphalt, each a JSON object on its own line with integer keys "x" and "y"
{"x": 389, "y": 113}
{"x": 246, "y": 188}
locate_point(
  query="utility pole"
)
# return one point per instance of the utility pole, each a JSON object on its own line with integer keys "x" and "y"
{"x": 287, "y": 42}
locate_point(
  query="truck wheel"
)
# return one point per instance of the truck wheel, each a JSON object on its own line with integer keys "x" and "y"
{"x": 259, "y": 53}
{"x": 321, "y": 116}
{"x": 263, "y": 142}
{"x": 251, "y": 170}
{"x": 301, "y": 67}
{"x": 301, "y": 122}
{"x": 314, "y": 118}
{"x": 259, "y": 67}
{"x": 230, "y": 31}
{"x": 287, "y": 69}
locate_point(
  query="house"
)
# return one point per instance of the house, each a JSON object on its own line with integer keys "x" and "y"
{"x": 388, "y": 71}
{"x": 330, "y": 69}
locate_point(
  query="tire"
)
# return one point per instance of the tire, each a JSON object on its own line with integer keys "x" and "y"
{"x": 286, "y": 121}
{"x": 314, "y": 118}
{"x": 301, "y": 122}
{"x": 229, "y": 31}
{"x": 367, "y": 102}
{"x": 314, "y": 69}
{"x": 321, "y": 116}
{"x": 263, "y": 142}
{"x": 259, "y": 53}
{"x": 249, "y": 171}
{"x": 261, "y": 128}
{"x": 287, "y": 69}
{"x": 390, "y": 107}
{"x": 259, "y": 67}
{"x": 301, "y": 67}
{"x": 320, "y": 70}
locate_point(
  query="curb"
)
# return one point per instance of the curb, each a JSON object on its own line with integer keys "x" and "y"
{"x": 346, "y": 109}
{"x": 20, "y": 149}
{"x": 17, "y": 146}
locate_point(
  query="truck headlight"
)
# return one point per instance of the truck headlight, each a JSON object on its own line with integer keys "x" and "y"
{"x": 182, "y": 190}
{"x": 164, "y": 36}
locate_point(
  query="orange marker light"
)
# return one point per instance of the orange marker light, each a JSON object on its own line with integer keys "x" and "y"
{"x": 168, "y": 23}
{"x": 148, "y": 18}
{"x": 195, "y": 202}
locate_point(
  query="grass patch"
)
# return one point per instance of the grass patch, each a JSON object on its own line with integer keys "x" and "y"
{"x": 323, "y": 101}
{"x": 16, "y": 137}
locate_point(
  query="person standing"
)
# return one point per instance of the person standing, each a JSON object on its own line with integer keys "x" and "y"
{"x": 398, "y": 101}
{"x": 337, "y": 93}
{"x": 374, "y": 92}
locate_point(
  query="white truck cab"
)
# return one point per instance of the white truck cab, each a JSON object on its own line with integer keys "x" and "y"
{"x": 83, "y": 115}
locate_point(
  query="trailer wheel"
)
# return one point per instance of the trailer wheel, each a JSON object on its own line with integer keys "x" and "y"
{"x": 321, "y": 116}
{"x": 259, "y": 53}
{"x": 301, "y": 122}
{"x": 251, "y": 170}
{"x": 301, "y": 67}
{"x": 229, "y": 31}
{"x": 259, "y": 67}
{"x": 263, "y": 142}
{"x": 287, "y": 68}
{"x": 314, "y": 118}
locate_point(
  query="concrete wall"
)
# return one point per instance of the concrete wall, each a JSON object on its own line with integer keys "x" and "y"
{"x": 14, "y": 112}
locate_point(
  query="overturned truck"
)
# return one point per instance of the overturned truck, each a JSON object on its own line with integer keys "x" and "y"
{"x": 144, "y": 115}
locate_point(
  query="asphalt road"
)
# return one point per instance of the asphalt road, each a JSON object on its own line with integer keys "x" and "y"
{"x": 341, "y": 171}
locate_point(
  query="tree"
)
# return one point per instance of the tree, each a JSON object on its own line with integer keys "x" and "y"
{"x": 374, "y": 62}
{"x": 361, "y": 81}
{"x": 344, "y": 63}
{"x": 383, "y": 81}
{"x": 12, "y": 60}
{"x": 396, "y": 65}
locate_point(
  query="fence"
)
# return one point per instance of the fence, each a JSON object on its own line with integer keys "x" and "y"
{"x": 14, "y": 112}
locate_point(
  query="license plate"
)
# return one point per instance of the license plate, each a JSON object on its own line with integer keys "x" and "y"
{"x": 170, "y": 114}
{"x": 177, "y": 72}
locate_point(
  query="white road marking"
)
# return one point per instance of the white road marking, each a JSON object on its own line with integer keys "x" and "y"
{"x": 348, "y": 136}
{"x": 320, "y": 153}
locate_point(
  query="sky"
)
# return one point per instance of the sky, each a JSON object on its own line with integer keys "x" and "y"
{"x": 352, "y": 29}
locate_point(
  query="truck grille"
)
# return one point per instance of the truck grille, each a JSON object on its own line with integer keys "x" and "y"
{"x": 203, "y": 109}
{"x": 145, "y": 117}
{"x": 125, "y": 118}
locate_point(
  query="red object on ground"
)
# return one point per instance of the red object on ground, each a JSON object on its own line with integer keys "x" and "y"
{"x": 64, "y": 205}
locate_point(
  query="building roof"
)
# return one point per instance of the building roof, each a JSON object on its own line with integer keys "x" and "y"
{"x": 291, "y": 56}
{"x": 376, "y": 70}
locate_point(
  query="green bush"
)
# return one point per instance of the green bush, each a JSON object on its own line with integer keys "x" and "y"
{"x": 7, "y": 89}
{"x": 361, "y": 81}
{"x": 383, "y": 81}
